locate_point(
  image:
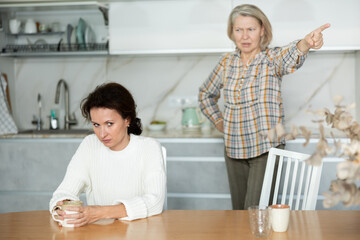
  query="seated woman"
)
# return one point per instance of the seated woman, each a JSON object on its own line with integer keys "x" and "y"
{"x": 122, "y": 173}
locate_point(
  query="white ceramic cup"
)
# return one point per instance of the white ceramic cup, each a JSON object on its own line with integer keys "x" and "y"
{"x": 14, "y": 25}
{"x": 280, "y": 215}
{"x": 30, "y": 26}
{"x": 55, "y": 27}
{"x": 64, "y": 222}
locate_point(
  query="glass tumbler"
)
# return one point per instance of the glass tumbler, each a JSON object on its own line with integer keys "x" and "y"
{"x": 259, "y": 217}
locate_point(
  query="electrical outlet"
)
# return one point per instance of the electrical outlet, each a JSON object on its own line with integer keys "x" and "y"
{"x": 174, "y": 101}
{"x": 182, "y": 101}
{"x": 189, "y": 101}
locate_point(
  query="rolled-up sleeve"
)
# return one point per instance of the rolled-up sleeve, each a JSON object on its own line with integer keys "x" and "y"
{"x": 288, "y": 59}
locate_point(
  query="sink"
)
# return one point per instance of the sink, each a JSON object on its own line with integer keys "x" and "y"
{"x": 59, "y": 131}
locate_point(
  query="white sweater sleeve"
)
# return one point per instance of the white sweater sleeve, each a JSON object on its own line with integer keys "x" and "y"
{"x": 76, "y": 177}
{"x": 154, "y": 184}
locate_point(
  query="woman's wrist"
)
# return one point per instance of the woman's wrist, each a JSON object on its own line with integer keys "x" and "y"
{"x": 220, "y": 126}
{"x": 303, "y": 46}
{"x": 114, "y": 211}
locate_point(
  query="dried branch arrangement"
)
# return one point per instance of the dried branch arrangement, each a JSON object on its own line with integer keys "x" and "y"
{"x": 344, "y": 189}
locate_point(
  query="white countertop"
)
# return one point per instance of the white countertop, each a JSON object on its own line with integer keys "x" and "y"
{"x": 170, "y": 133}
{"x": 166, "y": 134}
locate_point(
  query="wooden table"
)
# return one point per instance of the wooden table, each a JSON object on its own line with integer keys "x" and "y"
{"x": 183, "y": 224}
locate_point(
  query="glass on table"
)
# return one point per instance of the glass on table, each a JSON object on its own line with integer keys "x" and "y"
{"x": 259, "y": 217}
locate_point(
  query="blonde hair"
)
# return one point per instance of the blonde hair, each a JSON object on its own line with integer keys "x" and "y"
{"x": 255, "y": 12}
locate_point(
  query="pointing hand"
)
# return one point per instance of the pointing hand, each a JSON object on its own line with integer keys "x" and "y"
{"x": 314, "y": 39}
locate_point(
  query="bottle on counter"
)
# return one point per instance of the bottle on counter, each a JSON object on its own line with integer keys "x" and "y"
{"x": 54, "y": 123}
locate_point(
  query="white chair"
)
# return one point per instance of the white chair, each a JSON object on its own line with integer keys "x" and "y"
{"x": 302, "y": 178}
{"x": 164, "y": 158}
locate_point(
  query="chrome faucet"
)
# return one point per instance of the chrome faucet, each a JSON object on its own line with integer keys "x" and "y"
{"x": 68, "y": 120}
{"x": 37, "y": 120}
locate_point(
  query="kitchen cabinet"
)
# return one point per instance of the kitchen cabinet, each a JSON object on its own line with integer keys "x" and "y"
{"x": 157, "y": 27}
{"x": 196, "y": 174}
{"x": 200, "y": 26}
{"x": 63, "y": 32}
{"x": 32, "y": 168}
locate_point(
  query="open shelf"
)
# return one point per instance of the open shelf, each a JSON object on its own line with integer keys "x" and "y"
{"x": 63, "y": 5}
{"x": 55, "y": 49}
{"x": 36, "y": 34}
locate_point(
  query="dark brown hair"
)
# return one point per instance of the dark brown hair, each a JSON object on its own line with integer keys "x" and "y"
{"x": 113, "y": 96}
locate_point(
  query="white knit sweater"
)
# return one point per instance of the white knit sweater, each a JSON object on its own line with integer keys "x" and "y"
{"x": 134, "y": 176}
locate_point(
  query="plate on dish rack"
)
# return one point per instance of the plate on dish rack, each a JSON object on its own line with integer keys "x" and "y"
{"x": 69, "y": 31}
{"x": 90, "y": 37}
{"x": 80, "y": 33}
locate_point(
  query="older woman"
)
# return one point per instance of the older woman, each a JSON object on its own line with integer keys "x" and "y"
{"x": 121, "y": 172}
{"x": 251, "y": 81}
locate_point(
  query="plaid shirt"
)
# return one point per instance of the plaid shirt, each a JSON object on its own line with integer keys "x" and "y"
{"x": 252, "y": 94}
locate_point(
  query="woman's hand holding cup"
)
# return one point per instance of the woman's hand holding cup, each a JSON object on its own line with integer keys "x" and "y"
{"x": 65, "y": 209}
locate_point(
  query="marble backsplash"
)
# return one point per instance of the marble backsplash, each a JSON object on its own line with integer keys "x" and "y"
{"x": 153, "y": 80}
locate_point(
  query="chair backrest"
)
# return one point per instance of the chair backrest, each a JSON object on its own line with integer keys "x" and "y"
{"x": 299, "y": 183}
{"x": 164, "y": 158}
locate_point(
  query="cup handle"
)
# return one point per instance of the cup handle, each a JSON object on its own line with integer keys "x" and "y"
{"x": 54, "y": 213}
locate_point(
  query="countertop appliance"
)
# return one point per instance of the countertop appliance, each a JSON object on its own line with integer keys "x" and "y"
{"x": 191, "y": 119}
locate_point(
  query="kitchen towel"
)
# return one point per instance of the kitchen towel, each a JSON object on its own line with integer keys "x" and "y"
{"x": 7, "y": 124}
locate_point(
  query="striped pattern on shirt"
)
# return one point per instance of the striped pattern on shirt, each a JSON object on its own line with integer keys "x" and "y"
{"x": 252, "y": 97}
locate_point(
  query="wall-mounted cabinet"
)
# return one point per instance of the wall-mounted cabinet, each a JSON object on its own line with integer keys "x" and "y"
{"x": 54, "y": 29}
{"x": 157, "y": 27}
{"x": 200, "y": 26}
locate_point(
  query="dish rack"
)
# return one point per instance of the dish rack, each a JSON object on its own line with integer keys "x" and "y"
{"x": 54, "y": 48}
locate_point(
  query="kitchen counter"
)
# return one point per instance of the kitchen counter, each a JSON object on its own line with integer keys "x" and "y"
{"x": 166, "y": 134}
{"x": 34, "y": 164}
{"x": 171, "y": 133}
